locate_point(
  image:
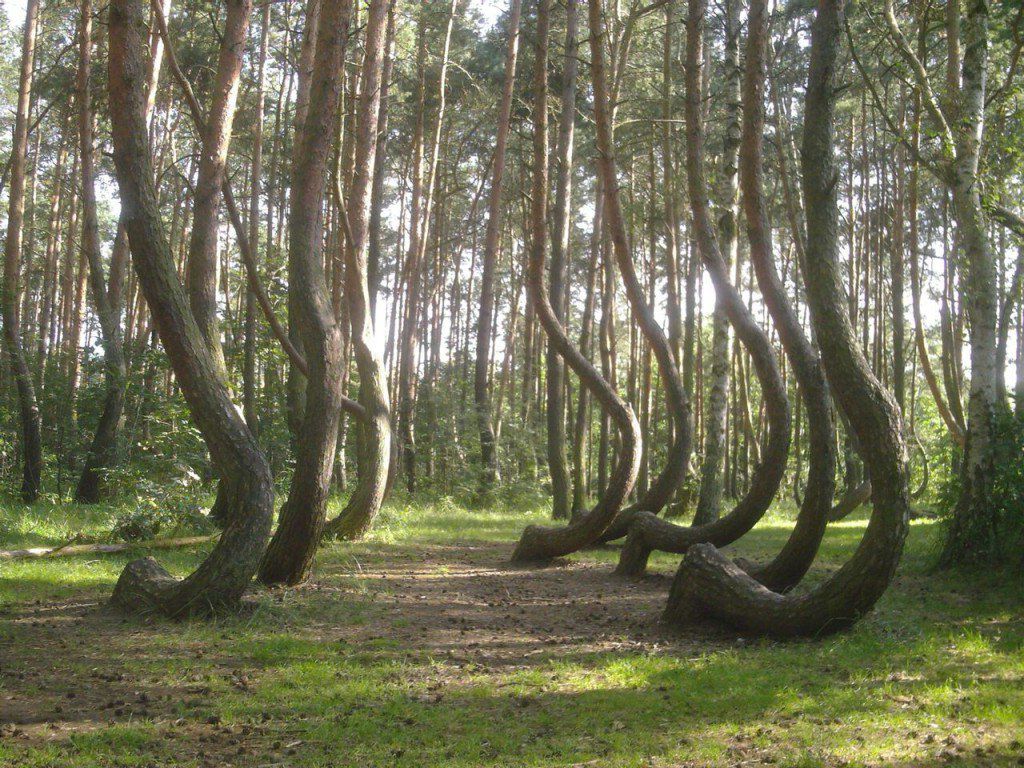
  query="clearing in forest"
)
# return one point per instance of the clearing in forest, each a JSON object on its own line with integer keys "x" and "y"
{"x": 423, "y": 647}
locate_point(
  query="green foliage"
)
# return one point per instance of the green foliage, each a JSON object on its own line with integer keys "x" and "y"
{"x": 156, "y": 516}
{"x": 999, "y": 538}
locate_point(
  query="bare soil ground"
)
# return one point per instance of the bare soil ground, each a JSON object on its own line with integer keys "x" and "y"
{"x": 462, "y": 603}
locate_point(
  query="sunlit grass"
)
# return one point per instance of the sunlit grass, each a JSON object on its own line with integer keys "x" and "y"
{"x": 934, "y": 676}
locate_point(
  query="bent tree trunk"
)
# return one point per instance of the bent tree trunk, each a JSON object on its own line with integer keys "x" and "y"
{"x": 375, "y": 427}
{"x": 29, "y": 423}
{"x": 540, "y": 543}
{"x": 678, "y": 404}
{"x": 201, "y": 265}
{"x": 290, "y": 554}
{"x": 558, "y": 466}
{"x": 103, "y": 449}
{"x": 707, "y": 583}
{"x": 485, "y": 320}
{"x": 861, "y": 494}
{"x": 677, "y": 460}
{"x": 792, "y": 562}
{"x": 649, "y": 533}
{"x": 224, "y": 575}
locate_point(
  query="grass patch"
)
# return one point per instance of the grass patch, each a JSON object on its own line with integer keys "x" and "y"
{"x": 419, "y": 648}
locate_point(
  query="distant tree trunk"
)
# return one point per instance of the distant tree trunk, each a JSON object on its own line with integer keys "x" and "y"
{"x": 103, "y": 450}
{"x": 668, "y": 480}
{"x": 421, "y": 214}
{"x": 201, "y": 267}
{"x": 555, "y": 368}
{"x": 538, "y": 543}
{"x": 380, "y": 166}
{"x": 581, "y": 426}
{"x": 481, "y": 383}
{"x": 648, "y": 532}
{"x": 375, "y": 428}
{"x": 225, "y": 574}
{"x": 30, "y": 422}
{"x": 709, "y": 501}
{"x": 249, "y": 402}
{"x": 707, "y": 584}
{"x": 290, "y": 553}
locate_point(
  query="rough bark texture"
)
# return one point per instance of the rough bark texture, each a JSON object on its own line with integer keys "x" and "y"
{"x": 201, "y": 267}
{"x": 492, "y": 238}
{"x": 224, "y": 575}
{"x": 660, "y": 492}
{"x": 539, "y": 544}
{"x": 29, "y": 423}
{"x": 375, "y": 428}
{"x": 709, "y": 500}
{"x": 707, "y": 583}
{"x": 974, "y": 529}
{"x": 103, "y": 449}
{"x": 792, "y": 562}
{"x": 647, "y": 532}
{"x": 558, "y": 466}
{"x": 290, "y": 553}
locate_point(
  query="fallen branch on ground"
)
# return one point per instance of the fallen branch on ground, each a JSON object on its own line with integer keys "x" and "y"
{"x": 86, "y": 549}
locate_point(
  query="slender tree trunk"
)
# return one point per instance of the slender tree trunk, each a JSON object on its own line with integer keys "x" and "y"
{"x": 201, "y": 267}
{"x": 380, "y": 166}
{"x": 375, "y": 428}
{"x": 974, "y": 531}
{"x": 103, "y": 450}
{"x": 555, "y": 367}
{"x": 30, "y": 422}
{"x": 538, "y": 543}
{"x": 709, "y": 501}
{"x": 790, "y": 565}
{"x": 225, "y": 574}
{"x": 249, "y": 403}
{"x": 290, "y": 553}
{"x": 481, "y": 383}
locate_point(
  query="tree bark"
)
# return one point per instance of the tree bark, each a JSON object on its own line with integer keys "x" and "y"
{"x": 707, "y": 584}
{"x": 103, "y": 449}
{"x": 709, "y": 500}
{"x": 540, "y": 544}
{"x": 29, "y": 418}
{"x": 249, "y": 394}
{"x": 648, "y": 532}
{"x": 555, "y": 368}
{"x": 481, "y": 383}
{"x": 290, "y": 554}
{"x": 224, "y": 575}
{"x": 974, "y": 530}
{"x": 791, "y": 564}
{"x": 375, "y": 428}
{"x": 201, "y": 266}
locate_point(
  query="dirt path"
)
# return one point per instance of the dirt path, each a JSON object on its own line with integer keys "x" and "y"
{"x": 63, "y": 668}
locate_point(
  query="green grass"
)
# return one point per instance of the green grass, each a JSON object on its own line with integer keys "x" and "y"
{"x": 336, "y": 675}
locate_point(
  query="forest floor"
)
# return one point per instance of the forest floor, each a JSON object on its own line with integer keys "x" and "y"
{"x": 423, "y": 647}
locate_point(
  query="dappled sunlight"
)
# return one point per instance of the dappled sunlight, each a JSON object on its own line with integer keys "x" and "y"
{"x": 423, "y": 645}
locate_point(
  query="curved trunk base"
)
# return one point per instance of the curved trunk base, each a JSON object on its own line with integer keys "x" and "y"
{"x": 852, "y": 501}
{"x": 219, "y": 582}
